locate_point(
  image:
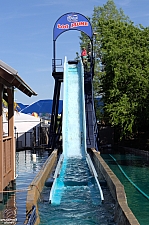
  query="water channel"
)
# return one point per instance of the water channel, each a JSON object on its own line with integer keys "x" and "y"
{"x": 13, "y": 208}
{"x": 133, "y": 172}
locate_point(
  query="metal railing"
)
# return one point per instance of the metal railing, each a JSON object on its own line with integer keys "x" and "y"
{"x": 57, "y": 65}
{"x": 31, "y": 217}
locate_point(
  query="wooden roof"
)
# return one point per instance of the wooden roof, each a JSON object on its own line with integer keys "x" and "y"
{"x": 10, "y": 78}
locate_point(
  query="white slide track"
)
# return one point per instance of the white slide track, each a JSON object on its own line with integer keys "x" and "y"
{"x": 73, "y": 127}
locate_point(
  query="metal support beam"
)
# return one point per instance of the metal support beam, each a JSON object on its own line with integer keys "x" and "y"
{"x": 55, "y": 106}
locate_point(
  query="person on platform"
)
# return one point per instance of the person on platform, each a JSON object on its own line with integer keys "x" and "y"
{"x": 84, "y": 55}
{"x": 89, "y": 56}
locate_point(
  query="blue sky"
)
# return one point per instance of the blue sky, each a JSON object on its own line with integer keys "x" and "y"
{"x": 26, "y": 37}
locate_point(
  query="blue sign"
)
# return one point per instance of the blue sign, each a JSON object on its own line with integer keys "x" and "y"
{"x": 72, "y": 21}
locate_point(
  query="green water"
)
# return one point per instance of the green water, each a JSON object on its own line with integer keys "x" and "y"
{"x": 137, "y": 170}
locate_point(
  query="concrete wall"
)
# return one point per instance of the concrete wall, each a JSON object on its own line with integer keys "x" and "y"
{"x": 123, "y": 214}
{"x": 136, "y": 151}
{"x": 35, "y": 188}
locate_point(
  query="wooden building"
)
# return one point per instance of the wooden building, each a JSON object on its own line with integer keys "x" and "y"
{"x": 9, "y": 80}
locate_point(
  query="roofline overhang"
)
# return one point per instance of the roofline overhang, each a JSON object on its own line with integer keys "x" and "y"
{"x": 10, "y": 78}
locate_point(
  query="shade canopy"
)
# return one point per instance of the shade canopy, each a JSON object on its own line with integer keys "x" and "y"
{"x": 42, "y": 107}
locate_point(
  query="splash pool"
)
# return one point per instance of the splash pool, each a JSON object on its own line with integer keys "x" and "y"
{"x": 80, "y": 199}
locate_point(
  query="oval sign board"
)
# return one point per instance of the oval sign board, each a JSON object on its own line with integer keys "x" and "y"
{"x": 72, "y": 21}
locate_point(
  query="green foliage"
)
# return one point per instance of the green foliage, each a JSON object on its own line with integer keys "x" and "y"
{"x": 121, "y": 68}
{"x": 16, "y": 106}
{"x": 125, "y": 82}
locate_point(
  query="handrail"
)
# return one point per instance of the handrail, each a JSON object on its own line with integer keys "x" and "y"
{"x": 57, "y": 172}
{"x": 32, "y": 216}
{"x": 92, "y": 169}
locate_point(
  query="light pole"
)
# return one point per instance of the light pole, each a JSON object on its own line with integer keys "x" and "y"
{"x": 94, "y": 48}
{"x": 94, "y": 35}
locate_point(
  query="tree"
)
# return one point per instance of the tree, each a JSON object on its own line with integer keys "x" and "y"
{"x": 125, "y": 82}
{"x": 121, "y": 72}
{"x": 102, "y": 14}
{"x": 5, "y": 105}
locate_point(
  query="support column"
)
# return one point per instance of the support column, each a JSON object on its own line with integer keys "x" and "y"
{"x": 11, "y": 129}
{"x": 1, "y": 143}
{"x": 54, "y": 115}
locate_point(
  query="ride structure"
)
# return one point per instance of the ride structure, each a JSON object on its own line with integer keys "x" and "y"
{"x": 73, "y": 21}
{"x": 75, "y": 169}
{"x": 78, "y": 125}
